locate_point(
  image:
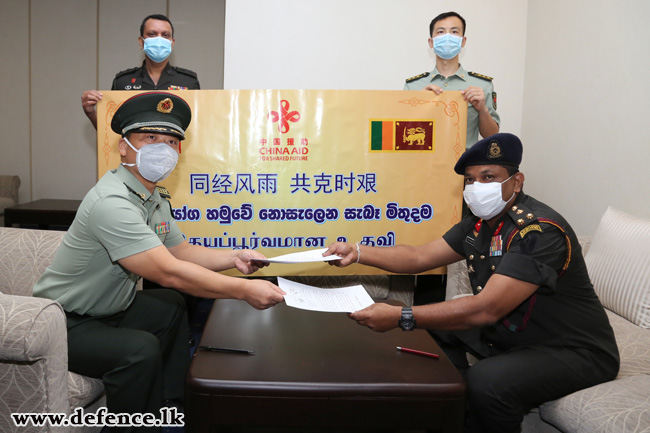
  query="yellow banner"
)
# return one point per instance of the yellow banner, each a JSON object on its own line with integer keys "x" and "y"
{"x": 283, "y": 171}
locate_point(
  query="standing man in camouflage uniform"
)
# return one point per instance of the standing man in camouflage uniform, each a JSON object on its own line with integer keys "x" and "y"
{"x": 447, "y": 37}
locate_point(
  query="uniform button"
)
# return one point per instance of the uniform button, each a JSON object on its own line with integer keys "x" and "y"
{"x": 493, "y": 268}
{"x": 482, "y": 257}
{"x": 490, "y": 345}
{"x": 479, "y": 288}
{"x": 471, "y": 257}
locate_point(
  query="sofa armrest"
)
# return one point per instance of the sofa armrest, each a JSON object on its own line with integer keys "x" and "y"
{"x": 9, "y": 185}
{"x": 458, "y": 281}
{"x": 33, "y": 357}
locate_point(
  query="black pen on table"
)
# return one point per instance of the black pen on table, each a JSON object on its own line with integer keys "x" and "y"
{"x": 226, "y": 350}
{"x": 417, "y": 352}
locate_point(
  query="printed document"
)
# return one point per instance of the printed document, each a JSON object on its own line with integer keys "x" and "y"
{"x": 303, "y": 257}
{"x": 343, "y": 300}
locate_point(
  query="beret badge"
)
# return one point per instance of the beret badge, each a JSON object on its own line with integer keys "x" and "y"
{"x": 165, "y": 106}
{"x": 494, "y": 151}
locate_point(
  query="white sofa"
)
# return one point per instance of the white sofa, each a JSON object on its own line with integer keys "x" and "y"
{"x": 618, "y": 260}
{"x": 34, "y": 374}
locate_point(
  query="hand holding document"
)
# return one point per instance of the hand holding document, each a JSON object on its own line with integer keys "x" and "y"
{"x": 343, "y": 300}
{"x": 303, "y": 257}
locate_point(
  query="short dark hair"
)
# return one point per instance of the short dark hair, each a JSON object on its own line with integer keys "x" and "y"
{"x": 444, "y": 15}
{"x": 511, "y": 170}
{"x": 158, "y": 17}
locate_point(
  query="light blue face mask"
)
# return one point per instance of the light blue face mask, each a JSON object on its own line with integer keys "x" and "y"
{"x": 158, "y": 48}
{"x": 447, "y": 46}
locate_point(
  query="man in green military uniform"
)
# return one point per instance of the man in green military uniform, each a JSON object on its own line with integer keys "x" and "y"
{"x": 534, "y": 321}
{"x": 156, "y": 73}
{"x": 447, "y": 37}
{"x": 136, "y": 340}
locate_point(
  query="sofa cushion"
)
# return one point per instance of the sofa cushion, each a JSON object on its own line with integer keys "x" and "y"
{"x": 618, "y": 261}
{"x": 619, "y": 406}
{"x": 633, "y": 345}
{"x": 83, "y": 390}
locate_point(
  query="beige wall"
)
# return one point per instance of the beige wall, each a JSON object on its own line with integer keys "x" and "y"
{"x": 586, "y": 107}
{"x": 52, "y": 51}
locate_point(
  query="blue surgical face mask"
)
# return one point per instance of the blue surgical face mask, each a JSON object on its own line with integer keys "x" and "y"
{"x": 447, "y": 46}
{"x": 158, "y": 48}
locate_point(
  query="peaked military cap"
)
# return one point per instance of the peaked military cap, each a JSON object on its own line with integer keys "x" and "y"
{"x": 157, "y": 112}
{"x": 498, "y": 149}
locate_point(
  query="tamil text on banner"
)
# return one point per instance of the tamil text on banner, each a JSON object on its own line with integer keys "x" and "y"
{"x": 283, "y": 171}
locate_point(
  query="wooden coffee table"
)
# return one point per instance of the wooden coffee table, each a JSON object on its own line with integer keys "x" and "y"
{"x": 44, "y": 213}
{"x": 317, "y": 370}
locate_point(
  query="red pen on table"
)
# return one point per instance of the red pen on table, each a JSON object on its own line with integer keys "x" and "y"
{"x": 418, "y": 352}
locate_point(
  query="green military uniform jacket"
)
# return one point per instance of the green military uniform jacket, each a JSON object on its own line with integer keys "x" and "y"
{"x": 118, "y": 218}
{"x": 533, "y": 243}
{"x": 171, "y": 78}
{"x": 461, "y": 80}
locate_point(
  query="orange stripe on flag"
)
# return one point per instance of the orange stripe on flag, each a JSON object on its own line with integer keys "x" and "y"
{"x": 387, "y": 135}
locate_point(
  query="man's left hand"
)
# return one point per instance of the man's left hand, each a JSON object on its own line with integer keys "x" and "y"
{"x": 379, "y": 317}
{"x": 246, "y": 261}
{"x": 475, "y": 96}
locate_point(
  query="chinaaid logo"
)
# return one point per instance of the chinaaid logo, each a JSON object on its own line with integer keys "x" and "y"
{"x": 393, "y": 135}
{"x": 287, "y": 147}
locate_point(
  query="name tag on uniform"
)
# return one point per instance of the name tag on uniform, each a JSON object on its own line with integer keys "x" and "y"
{"x": 162, "y": 228}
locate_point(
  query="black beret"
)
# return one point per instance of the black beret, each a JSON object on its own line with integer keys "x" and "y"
{"x": 157, "y": 112}
{"x": 498, "y": 149}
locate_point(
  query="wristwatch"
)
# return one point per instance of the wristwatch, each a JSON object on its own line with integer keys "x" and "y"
{"x": 407, "y": 321}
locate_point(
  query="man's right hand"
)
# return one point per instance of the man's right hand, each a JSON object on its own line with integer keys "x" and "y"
{"x": 433, "y": 88}
{"x": 347, "y": 252}
{"x": 89, "y": 99}
{"x": 262, "y": 294}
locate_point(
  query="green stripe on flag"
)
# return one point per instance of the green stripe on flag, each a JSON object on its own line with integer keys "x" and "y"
{"x": 376, "y": 135}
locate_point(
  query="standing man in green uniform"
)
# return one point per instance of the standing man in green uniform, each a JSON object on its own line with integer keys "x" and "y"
{"x": 136, "y": 340}
{"x": 534, "y": 320}
{"x": 447, "y": 37}
{"x": 156, "y": 40}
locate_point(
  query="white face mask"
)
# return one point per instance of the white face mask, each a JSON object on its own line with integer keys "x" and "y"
{"x": 154, "y": 161}
{"x": 485, "y": 200}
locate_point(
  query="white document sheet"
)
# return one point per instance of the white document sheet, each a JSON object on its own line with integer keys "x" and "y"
{"x": 303, "y": 257}
{"x": 343, "y": 300}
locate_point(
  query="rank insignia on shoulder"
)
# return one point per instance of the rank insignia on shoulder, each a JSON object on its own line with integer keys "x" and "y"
{"x": 163, "y": 192}
{"x": 185, "y": 71}
{"x": 417, "y": 77}
{"x": 126, "y": 71}
{"x": 477, "y": 75}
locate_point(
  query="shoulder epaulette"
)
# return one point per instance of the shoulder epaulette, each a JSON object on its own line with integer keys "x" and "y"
{"x": 417, "y": 77}
{"x": 163, "y": 192}
{"x": 522, "y": 217}
{"x": 126, "y": 71}
{"x": 477, "y": 75}
{"x": 185, "y": 71}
